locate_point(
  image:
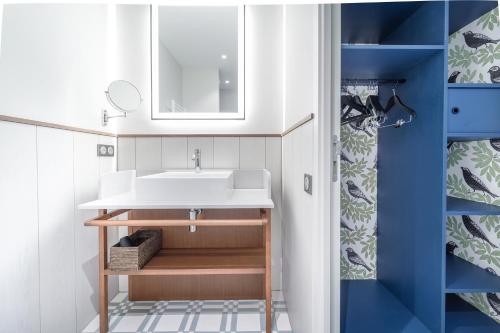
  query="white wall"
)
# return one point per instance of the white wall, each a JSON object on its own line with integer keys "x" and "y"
{"x": 263, "y": 62}
{"x": 56, "y": 55}
{"x": 53, "y": 68}
{"x": 300, "y": 216}
{"x": 170, "y": 79}
{"x": 159, "y": 153}
{"x": 51, "y": 280}
{"x": 200, "y": 89}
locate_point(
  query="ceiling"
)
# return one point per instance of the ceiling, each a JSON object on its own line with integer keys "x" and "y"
{"x": 197, "y": 36}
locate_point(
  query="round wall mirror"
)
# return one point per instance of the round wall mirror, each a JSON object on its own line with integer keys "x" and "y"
{"x": 123, "y": 96}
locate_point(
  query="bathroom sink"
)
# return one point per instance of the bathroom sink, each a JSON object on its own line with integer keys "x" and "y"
{"x": 185, "y": 185}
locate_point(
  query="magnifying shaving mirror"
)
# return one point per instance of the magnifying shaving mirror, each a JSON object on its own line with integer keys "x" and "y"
{"x": 124, "y": 97}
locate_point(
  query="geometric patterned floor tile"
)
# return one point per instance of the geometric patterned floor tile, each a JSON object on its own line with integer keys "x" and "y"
{"x": 236, "y": 316}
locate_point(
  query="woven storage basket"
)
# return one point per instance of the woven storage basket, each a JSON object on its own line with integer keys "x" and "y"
{"x": 134, "y": 258}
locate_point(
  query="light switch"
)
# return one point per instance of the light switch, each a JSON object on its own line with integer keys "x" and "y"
{"x": 308, "y": 183}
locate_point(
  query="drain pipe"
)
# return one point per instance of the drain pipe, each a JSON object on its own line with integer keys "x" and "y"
{"x": 193, "y": 215}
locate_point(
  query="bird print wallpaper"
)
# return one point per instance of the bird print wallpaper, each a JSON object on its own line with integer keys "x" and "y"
{"x": 474, "y": 51}
{"x": 358, "y": 196}
{"x": 474, "y": 167}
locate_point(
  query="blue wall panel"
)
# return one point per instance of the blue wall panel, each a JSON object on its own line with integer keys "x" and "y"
{"x": 411, "y": 199}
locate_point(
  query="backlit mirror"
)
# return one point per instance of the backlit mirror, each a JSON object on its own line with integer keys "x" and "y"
{"x": 197, "y": 62}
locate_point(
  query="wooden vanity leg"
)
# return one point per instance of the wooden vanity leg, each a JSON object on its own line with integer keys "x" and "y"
{"x": 103, "y": 280}
{"x": 268, "y": 272}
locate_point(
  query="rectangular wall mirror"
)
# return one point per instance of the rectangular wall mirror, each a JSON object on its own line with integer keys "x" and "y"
{"x": 197, "y": 62}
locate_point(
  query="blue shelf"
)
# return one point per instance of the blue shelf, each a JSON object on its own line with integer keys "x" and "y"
{"x": 461, "y": 317}
{"x": 456, "y": 206}
{"x": 380, "y": 23}
{"x": 369, "y": 307}
{"x": 376, "y": 47}
{"x": 464, "y": 12}
{"x": 383, "y": 61}
{"x": 464, "y": 277}
{"x": 473, "y": 86}
{"x": 472, "y": 136}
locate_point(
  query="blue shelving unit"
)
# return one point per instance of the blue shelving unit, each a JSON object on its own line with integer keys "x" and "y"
{"x": 464, "y": 277}
{"x": 373, "y": 304}
{"x": 456, "y": 206}
{"x": 410, "y": 44}
{"x": 417, "y": 282}
{"x": 462, "y": 317}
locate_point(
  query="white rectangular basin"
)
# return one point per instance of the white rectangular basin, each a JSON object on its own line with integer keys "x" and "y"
{"x": 185, "y": 186}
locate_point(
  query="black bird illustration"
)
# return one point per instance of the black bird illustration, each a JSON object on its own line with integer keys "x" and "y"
{"x": 475, "y": 40}
{"x": 491, "y": 271}
{"x": 494, "y": 74}
{"x": 344, "y": 225}
{"x": 357, "y": 127}
{"x": 494, "y": 302}
{"x": 495, "y": 143}
{"x": 356, "y": 192}
{"x": 355, "y": 259}
{"x": 475, "y": 230}
{"x": 475, "y": 183}
{"x": 453, "y": 77}
{"x": 343, "y": 157}
{"x": 450, "y": 247}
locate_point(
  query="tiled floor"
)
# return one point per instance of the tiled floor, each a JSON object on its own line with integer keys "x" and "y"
{"x": 193, "y": 316}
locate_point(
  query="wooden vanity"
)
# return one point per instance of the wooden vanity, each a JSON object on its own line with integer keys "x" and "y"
{"x": 228, "y": 257}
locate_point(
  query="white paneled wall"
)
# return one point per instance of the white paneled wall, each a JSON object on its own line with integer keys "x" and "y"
{"x": 173, "y": 153}
{"x": 86, "y": 175}
{"x": 19, "y": 281}
{"x": 56, "y": 229}
{"x": 50, "y": 276}
{"x": 227, "y": 152}
{"x": 298, "y": 209}
{"x": 216, "y": 152}
{"x": 253, "y": 153}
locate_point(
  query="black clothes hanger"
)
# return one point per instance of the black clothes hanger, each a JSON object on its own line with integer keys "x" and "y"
{"x": 394, "y": 100}
{"x": 353, "y": 102}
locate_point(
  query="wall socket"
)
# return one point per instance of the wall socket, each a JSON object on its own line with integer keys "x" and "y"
{"x": 105, "y": 150}
{"x": 308, "y": 183}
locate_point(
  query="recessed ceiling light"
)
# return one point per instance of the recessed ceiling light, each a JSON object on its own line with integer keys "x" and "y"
{"x": 224, "y": 56}
{"x": 227, "y": 82}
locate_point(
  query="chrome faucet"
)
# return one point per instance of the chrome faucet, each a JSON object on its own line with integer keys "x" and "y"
{"x": 197, "y": 159}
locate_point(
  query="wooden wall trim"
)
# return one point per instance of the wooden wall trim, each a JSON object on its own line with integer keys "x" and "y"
{"x": 301, "y": 122}
{"x": 197, "y": 135}
{"x": 53, "y": 125}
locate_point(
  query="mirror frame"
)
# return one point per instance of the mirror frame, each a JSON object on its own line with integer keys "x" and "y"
{"x": 155, "y": 101}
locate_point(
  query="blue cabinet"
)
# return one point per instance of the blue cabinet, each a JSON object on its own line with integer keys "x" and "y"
{"x": 473, "y": 110}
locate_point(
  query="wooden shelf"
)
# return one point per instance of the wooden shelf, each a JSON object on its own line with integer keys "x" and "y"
{"x": 464, "y": 277}
{"x": 370, "y": 307}
{"x": 456, "y": 206}
{"x": 202, "y": 262}
{"x": 461, "y": 317}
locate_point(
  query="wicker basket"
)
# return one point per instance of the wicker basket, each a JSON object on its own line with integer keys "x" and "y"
{"x": 134, "y": 258}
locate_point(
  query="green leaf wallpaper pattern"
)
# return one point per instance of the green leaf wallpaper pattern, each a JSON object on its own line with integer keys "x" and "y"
{"x": 359, "y": 218}
{"x": 483, "y": 161}
{"x": 477, "y": 156}
{"x": 474, "y": 64}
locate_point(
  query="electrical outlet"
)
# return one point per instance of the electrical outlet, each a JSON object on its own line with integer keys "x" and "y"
{"x": 105, "y": 150}
{"x": 308, "y": 183}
